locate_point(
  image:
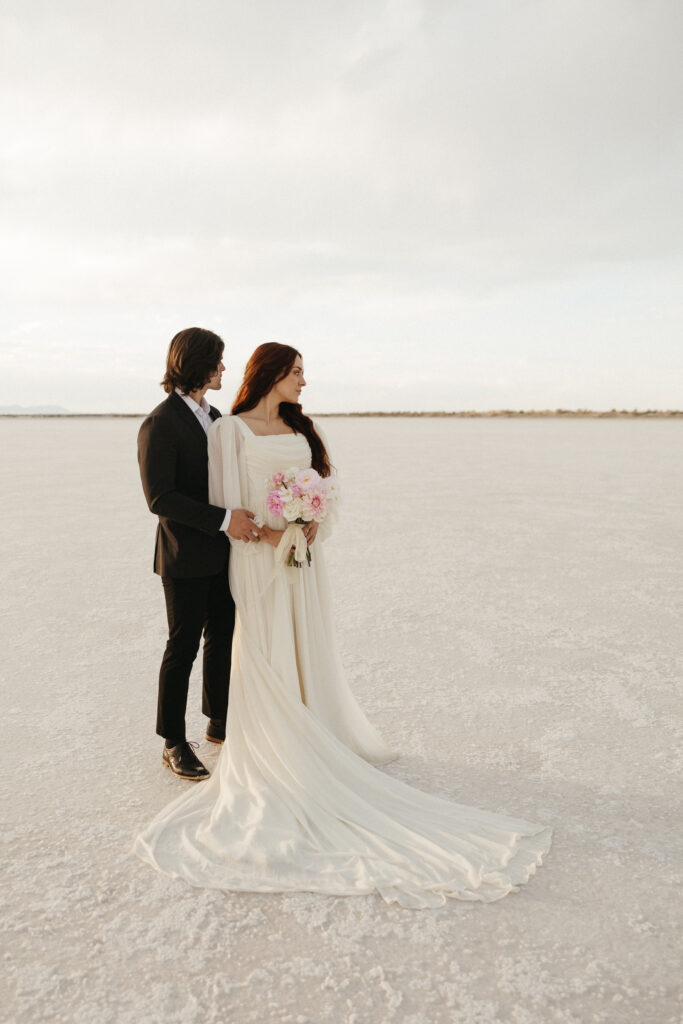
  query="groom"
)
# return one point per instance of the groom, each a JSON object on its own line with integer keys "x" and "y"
{"x": 192, "y": 548}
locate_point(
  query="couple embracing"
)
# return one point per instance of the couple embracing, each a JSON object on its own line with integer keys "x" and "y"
{"x": 297, "y": 801}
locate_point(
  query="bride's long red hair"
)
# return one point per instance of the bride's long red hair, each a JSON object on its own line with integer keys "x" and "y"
{"x": 269, "y": 364}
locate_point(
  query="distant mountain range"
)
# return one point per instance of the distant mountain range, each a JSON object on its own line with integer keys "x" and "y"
{"x": 33, "y": 410}
{"x": 58, "y": 410}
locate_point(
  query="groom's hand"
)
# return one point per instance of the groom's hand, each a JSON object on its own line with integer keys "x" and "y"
{"x": 242, "y": 525}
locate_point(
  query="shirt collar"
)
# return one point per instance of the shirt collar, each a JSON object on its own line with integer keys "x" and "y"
{"x": 190, "y": 402}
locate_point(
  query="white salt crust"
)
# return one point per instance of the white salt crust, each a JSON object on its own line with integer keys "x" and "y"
{"x": 510, "y": 609}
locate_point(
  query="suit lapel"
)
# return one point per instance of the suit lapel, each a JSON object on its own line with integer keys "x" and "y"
{"x": 188, "y": 417}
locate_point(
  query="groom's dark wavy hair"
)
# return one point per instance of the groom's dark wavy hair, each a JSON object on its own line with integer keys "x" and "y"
{"x": 193, "y": 358}
{"x": 268, "y": 364}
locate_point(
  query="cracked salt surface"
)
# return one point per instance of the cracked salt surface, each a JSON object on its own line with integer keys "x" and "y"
{"x": 511, "y": 622}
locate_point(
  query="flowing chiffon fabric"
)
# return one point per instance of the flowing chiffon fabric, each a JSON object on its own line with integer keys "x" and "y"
{"x": 296, "y": 802}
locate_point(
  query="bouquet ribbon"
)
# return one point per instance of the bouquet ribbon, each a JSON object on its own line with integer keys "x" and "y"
{"x": 293, "y": 537}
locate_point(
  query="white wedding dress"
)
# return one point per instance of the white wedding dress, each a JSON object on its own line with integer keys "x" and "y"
{"x": 295, "y": 802}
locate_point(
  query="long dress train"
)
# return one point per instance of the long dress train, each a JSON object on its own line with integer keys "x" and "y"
{"x": 296, "y": 802}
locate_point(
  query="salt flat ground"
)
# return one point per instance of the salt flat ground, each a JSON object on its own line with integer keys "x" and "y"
{"x": 509, "y": 611}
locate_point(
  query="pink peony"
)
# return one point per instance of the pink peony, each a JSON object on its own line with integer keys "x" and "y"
{"x": 331, "y": 486}
{"x": 278, "y": 478}
{"x": 315, "y": 506}
{"x": 295, "y": 491}
{"x": 307, "y": 479}
{"x": 275, "y": 503}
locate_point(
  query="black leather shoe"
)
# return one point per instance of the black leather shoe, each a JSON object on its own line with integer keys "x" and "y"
{"x": 184, "y": 763}
{"x": 215, "y": 731}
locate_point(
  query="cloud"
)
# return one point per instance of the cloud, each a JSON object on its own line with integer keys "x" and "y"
{"x": 401, "y": 159}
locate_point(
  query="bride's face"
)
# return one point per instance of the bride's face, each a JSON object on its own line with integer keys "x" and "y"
{"x": 289, "y": 388}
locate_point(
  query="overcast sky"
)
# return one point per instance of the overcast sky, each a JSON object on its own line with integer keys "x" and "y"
{"x": 443, "y": 204}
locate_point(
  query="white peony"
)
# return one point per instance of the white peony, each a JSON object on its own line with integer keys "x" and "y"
{"x": 293, "y": 509}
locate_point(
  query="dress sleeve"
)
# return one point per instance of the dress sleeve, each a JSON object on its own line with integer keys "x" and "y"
{"x": 329, "y": 522}
{"x": 227, "y": 474}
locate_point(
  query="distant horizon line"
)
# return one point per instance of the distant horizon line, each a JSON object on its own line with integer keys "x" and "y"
{"x": 462, "y": 414}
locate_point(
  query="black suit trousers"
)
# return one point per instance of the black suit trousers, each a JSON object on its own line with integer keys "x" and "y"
{"x": 195, "y": 606}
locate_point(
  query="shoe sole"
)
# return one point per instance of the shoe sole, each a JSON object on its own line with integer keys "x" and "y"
{"x": 188, "y": 778}
{"x": 214, "y": 739}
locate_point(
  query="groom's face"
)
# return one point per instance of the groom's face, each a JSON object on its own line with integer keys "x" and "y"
{"x": 215, "y": 378}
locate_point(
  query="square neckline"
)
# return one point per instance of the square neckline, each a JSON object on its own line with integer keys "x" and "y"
{"x": 291, "y": 433}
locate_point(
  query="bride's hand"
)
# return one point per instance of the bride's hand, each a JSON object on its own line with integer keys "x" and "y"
{"x": 310, "y": 532}
{"x": 271, "y": 537}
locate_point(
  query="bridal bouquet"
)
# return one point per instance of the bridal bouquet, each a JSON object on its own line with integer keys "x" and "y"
{"x": 300, "y": 496}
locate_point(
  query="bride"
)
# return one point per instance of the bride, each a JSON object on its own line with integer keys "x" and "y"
{"x": 295, "y": 802}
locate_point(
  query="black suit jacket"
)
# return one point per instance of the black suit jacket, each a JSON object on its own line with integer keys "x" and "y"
{"x": 174, "y": 467}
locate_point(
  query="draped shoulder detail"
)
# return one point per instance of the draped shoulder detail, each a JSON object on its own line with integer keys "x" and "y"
{"x": 227, "y": 474}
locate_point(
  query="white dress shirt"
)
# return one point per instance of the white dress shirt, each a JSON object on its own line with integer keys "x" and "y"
{"x": 203, "y": 414}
